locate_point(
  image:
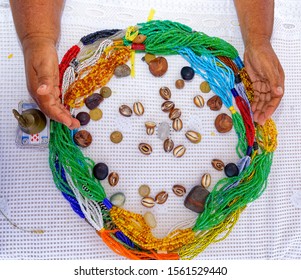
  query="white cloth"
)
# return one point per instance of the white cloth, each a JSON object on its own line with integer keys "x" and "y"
{"x": 269, "y": 228}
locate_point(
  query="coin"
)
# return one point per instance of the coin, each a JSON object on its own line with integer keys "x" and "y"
{"x": 95, "y": 114}
{"x": 144, "y": 190}
{"x": 105, "y": 92}
{"x": 116, "y": 137}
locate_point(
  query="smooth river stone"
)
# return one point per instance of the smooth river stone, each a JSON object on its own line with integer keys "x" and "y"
{"x": 122, "y": 71}
{"x": 196, "y": 199}
{"x": 118, "y": 199}
{"x": 163, "y": 131}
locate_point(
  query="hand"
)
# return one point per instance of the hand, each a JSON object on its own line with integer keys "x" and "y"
{"x": 42, "y": 74}
{"x": 267, "y": 77}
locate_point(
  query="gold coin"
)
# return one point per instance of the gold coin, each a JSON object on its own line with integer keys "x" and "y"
{"x": 204, "y": 87}
{"x": 105, "y": 92}
{"x": 95, "y": 114}
{"x": 116, "y": 137}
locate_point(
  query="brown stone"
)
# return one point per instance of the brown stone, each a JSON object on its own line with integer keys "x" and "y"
{"x": 196, "y": 199}
{"x": 215, "y": 103}
{"x": 223, "y": 123}
{"x": 82, "y": 138}
{"x": 158, "y": 66}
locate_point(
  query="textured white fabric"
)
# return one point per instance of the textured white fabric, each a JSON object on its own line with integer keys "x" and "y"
{"x": 269, "y": 228}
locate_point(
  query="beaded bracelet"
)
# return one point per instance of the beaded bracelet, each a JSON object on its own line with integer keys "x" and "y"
{"x": 89, "y": 65}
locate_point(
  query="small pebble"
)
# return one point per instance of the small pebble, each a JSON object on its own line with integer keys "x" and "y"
{"x": 118, "y": 199}
{"x": 196, "y": 199}
{"x": 93, "y": 101}
{"x": 158, "y": 66}
{"x": 122, "y": 71}
{"x": 163, "y": 130}
{"x": 116, "y": 137}
{"x": 83, "y": 117}
{"x": 205, "y": 87}
{"x": 105, "y": 92}
{"x": 95, "y": 114}
{"x": 187, "y": 73}
{"x": 150, "y": 220}
{"x": 82, "y": 138}
{"x": 100, "y": 171}
{"x": 144, "y": 190}
{"x": 231, "y": 170}
{"x": 180, "y": 84}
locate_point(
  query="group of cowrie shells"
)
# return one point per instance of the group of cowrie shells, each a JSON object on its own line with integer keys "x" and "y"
{"x": 168, "y": 106}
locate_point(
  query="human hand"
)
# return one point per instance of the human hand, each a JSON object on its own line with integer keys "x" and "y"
{"x": 42, "y": 75}
{"x": 267, "y": 76}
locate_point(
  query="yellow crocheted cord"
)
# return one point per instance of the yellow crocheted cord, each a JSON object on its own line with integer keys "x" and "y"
{"x": 151, "y": 15}
{"x": 267, "y": 136}
{"x": 133, "y": 63}
{"x": 131, "y": 33}
{"x": 135, "y": 228}
{"x": 205, "y": 238}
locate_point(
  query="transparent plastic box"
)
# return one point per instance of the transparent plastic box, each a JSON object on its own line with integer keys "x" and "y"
{"x": 38, "y": 140}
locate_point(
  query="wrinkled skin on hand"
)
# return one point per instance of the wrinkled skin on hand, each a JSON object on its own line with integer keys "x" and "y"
{"x": 267, "y": 76}
{"x": 42, "y": 74}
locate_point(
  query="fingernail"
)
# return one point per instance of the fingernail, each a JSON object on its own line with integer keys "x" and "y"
{"x": 43, "y": 87}
{"x": 280, "y": 90}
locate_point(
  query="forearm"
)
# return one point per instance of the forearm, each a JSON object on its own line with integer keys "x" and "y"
{"x": 37, "y": 19}
{"x": 256, "y": 19}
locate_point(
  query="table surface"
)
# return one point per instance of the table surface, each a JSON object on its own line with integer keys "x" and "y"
{"x": 269, "y": 228}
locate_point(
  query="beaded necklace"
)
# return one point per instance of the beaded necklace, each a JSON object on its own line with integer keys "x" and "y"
{"x": 89, "y": 66}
